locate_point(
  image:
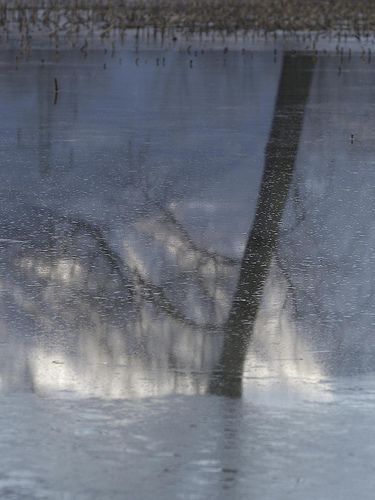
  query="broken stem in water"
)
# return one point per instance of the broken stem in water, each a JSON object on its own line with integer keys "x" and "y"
{"x": 56, "y": 90}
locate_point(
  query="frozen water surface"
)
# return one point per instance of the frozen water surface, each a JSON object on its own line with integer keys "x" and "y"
{"x": 186, "y": 273}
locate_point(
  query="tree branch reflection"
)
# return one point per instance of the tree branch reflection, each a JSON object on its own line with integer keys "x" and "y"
{"x": 70, "y": 271}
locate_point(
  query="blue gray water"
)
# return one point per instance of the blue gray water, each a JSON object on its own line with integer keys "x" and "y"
{"x": 186, "y": 268}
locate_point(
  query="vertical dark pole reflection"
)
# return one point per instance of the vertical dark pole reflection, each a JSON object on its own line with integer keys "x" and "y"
{"x": 280, "y": 156}
{"x": 45, "y": 125}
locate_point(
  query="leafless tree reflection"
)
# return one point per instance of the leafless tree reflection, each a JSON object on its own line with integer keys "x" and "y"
{"x": 64, "y": 278}
{"x": 111, "y": 312}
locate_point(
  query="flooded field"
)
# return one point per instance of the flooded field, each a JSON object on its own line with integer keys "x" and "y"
{"x": 186, "y": 270}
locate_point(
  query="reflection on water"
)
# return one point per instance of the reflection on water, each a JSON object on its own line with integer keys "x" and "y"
{"x": 89, "y": 321}
{"x": 115, "y": 278}
{"x": 167, "y": 228}
{"x": 280, "y": 157}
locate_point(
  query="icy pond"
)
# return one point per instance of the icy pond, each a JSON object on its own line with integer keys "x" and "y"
{"x": 187, "y": 264}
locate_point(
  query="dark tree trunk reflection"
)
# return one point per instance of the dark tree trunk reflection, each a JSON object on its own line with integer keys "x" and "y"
{"x": 280, "y": 156}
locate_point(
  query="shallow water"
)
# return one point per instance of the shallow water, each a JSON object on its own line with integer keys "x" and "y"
{"x": 186, "y": 273}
